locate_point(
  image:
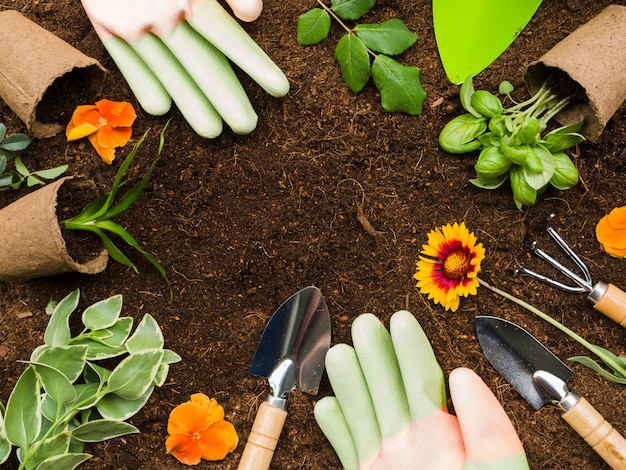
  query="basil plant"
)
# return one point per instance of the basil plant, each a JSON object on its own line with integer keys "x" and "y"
{"x": 511, "y": 143}
{"x": 66, "y": 397}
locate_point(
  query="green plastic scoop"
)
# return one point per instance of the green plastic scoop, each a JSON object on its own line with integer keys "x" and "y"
{"x": 471, "y": 34}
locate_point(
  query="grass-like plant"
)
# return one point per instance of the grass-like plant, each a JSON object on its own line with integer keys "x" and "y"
{"x": 399, "y": 85}
{"x": 96, "y": 216}
{"x": 67, "y": 397}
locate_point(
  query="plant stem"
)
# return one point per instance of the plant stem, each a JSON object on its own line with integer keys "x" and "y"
{"x": 594, "y": 349}
{"x": 332, "y": 13}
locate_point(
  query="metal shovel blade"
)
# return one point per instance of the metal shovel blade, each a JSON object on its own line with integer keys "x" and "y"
{"x": 471, "y": 34}
{"x": 296, "y": 337}
{"x": 517, "y": 355}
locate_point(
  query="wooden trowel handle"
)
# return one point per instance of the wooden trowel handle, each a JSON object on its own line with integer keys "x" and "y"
{"x": 598, "y": 433}
{"x": 613, "y": 304}
{"x": 263, "y": 438}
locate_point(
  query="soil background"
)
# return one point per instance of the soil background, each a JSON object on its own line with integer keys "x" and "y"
{"x": 242, "y": 222}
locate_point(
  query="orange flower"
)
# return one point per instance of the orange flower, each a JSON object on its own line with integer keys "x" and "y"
{"x": 107, "y": 125}
{"x": 611, "y": 232}
{"x": 197, "y": 430}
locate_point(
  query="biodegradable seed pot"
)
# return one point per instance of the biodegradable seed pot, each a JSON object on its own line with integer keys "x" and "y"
{"x": 32, "y": 241}
{"x": 590, "y": 61}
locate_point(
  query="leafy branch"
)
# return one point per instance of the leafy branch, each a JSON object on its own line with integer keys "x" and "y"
{"x": 399, "y": 85}
{"x": 9, "y": 145}
{"x": 67, "y": 397}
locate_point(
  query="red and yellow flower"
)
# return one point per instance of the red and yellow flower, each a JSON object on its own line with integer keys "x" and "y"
{"x": 611, "y": 232}
{"x": 198, "y": 431}
{"x": 449, "y": 264}
{"x": 107, "y": 125}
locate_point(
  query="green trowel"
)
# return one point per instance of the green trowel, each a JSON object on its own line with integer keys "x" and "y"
{"x": 471, "y": 34}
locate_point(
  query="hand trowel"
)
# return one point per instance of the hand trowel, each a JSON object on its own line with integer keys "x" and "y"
{"x": 541, "y": 378}
{"x": 291, "y": 356}
{"x": 471, "y": 34}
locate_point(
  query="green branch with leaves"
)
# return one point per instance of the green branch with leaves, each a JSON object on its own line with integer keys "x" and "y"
{"x": 399, "y": 85}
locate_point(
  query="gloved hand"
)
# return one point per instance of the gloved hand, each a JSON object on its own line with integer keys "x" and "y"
{"x": 390, "y": 412}
{"x": 176, "y": 50}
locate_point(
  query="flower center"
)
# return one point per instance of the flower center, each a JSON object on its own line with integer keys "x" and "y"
{"x": 456, "y": 265}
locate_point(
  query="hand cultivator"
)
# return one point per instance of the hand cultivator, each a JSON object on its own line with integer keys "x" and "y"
{"x": 605, "y": 297}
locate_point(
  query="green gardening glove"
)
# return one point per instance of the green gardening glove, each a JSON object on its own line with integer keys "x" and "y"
{"x": 180, "y": 50}
{"x": 389, "y": 409}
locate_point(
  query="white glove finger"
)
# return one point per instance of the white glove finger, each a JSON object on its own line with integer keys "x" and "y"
{"x": 214, "y": 75}
{"x": 422, "y": 376}
{"x": 148, "y": 90}
{"x": 374, "y": 350}
{"x": 351, "y": 391}
{"x": 218, "y": 27}
{"x": 246, "y": 10}
{"x": 332, "y": 422}
{"x": 193, "y": 105}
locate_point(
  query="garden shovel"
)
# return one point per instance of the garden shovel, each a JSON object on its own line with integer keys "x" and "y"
{"x": 471, "y": 34}
{"x": 291, "y": 356}
{"x": 541, "y": 378}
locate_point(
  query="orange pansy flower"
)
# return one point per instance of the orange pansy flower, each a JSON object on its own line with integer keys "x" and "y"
{"x": 198, "y": 431}
{"x": 611, "y": 232}
{"x": 107, "y": 125}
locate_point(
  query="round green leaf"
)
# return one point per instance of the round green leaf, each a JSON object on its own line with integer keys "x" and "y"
{"x": 399, "y": 85}
{"x": 313, "y": 27}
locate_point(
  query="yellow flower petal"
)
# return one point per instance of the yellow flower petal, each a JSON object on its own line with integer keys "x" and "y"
{"x": 78, "y": 132}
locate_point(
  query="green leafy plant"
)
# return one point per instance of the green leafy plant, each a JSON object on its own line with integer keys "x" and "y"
{"x": 511, "y": 143}
{"x": 9, "y": 145}
{"x": 399, "y": 85}
{"x": 616, "y": 364}
{"x": 96, "y": 216}
{"x": 67, "y": 396}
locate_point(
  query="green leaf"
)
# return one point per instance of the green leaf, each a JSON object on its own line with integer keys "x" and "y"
{"x": 391, "y": 37}
{"x": 489, "y": 184}
{"x": 565, "y": 173}
{"x": 399, "y": 86}
{"x": 51, "y": 173}
{"x": 354, "y": 61}
{"x": 116, "y": 334}
{"x": 20, "y": 167}
{"x": 161, "y": 375}
{"x": 593, "y": 365}
{"x": 103, "y": 314}
{"x": 3, "y": 132}
{"x": 33, "y": 181}
{"x": 64, "y": 462}
{"x": 351, "y": 9}
{"x": 97, "y": 351}
{"x": 69, "y": 360}
{"x": 170, "y": 357}
{"x": 460, "y": 134}
{"x": 147, "y": 336}
{"x": 53, "y": 446}
{"x": 466, "y": 93}
{"x": 523, "y": 193}
{"x": 15, "y": 142}
{"x": 115, "y": 407}
{"x": 491, "y": 164}
{"x": 58, "y": 330}
{"x": 486, "y": 104}
{"x": 102, "y": 429}
{"x": 134, "y": 375}
{"x": 5, "y": 445}
{"x": 22, "y": 419}
{"x": 86, "y": 396}
{"x": 55, "y": 383}
{"x": 313, "y": 27}
{"x": 539, "y": 180}
{"x": 529, "y": 132}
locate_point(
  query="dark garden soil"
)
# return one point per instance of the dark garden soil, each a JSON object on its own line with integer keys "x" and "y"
{"x": 329, "y": 190}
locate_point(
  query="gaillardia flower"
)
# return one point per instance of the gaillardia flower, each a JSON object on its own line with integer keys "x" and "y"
{"x": 448, "y": 265}
{"x": 198, "y": 431}
{"x": 107, "y": 125}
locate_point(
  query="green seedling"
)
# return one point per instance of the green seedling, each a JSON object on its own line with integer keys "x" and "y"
{"x": 13, "y": 179}
{"x": 512, "y": 141}
{"x": 96, "y": 216}
{"x": 69, "y": 394}
{"x": 399, "y": 85}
